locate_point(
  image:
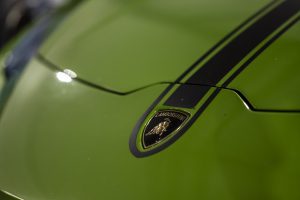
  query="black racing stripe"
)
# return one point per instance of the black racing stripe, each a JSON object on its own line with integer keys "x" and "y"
{"x": 210, "y": 100}
{"x": 218, "y": 90}
{"x": 229, "y": 35}
{"x": 132, "y": 141}
{"x": 256, "y": 54}
{"x": 212, "y": 49}
{"x": 228, "y": 57}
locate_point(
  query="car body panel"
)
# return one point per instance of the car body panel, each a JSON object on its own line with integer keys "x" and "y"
{"x": 127, "y": 45}
{"x": 69, "y": 141}
{"x": 272, "y": 80}
{"x": 135, "y": 44}
{"x": 66, "y": 139}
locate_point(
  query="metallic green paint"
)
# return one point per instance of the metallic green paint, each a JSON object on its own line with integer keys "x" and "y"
{"x": 68, "y": 141}
{"x": 180, "y": 98}
{"x": 126, "y": 45}
{"x": 272, "y": 80}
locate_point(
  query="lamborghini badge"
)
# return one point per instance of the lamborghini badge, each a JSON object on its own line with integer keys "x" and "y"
{"x": 162, "y": 125}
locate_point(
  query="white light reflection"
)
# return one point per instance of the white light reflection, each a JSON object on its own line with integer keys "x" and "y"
{"x": 70, "y": 73}
{"x": 246, "y": 105}
{"x": 66, "y": 76}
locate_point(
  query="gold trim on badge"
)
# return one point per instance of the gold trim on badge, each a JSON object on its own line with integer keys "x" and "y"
{"x": 162, "y": 127}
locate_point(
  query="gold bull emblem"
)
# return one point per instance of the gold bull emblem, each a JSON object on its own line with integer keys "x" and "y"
{"x": 160, "y": 128}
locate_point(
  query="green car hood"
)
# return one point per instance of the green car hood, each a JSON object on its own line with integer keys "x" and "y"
{"x": 124, "y": 45}
{"x": 65, "y": 140}
{"x": 68, "y": 141}
{"x": 127, "y": 45}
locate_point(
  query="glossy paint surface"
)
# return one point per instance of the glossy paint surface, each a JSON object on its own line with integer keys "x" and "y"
{"x": 272, "y": 80}
{"x": 68, "y": 141}
{"x": 126, "y": 45}
{"x": 61, "y": 139}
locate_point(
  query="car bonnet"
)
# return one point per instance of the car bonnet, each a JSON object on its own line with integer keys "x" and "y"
{"x": 123, "y": 46}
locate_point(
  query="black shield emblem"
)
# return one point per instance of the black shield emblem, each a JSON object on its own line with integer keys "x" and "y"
{"x": 162, "y": 125}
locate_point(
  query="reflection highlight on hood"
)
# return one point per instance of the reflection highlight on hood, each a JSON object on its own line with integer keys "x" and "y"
{"x": 66, "y": 76}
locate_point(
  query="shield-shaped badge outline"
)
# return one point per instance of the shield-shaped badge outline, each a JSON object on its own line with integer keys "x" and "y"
{"x": 169, "y": 135}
